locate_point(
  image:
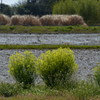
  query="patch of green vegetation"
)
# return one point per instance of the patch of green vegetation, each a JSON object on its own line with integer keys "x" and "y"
{"x": 22, "y": 67}
{"x": 49, "y": 64}
{"x": 83, "y": 91}
{"x": 49, "y": 29}
{"x": 56, "y": 67}
{"x": 48, "y": 46}
{"x": 83, "y": 8}
{"x": 8, "y": 90}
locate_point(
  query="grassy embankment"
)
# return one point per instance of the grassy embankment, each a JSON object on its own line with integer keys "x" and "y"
{"x": 49, "y": 29}
{"x": 48, "y": 46}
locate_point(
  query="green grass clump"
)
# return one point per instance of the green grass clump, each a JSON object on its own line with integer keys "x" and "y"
{"x": 97, "y": 74}
{"x": 86, "y": 90}
{"x": 7, "y": 89}
{"x": 22, "y": 67}
{"x": 56, "y": 67}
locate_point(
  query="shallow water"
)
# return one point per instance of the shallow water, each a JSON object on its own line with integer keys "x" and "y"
{"x": 86, "y": 59}
{"x": 29, "y": 39}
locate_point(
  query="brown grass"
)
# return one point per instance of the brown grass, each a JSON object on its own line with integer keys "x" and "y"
{"x": 46, "y": 20}
{"x": 4, "y": 19}
{"x": 17, "y": 20}
{"x": 30, "y": 20}
{"x": 26, "y": 20}
{"x": 75, "y": 19}
{"x": 61, "y": 20}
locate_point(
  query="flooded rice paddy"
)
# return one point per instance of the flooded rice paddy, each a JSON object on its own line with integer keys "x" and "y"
{"x": 86, "y": 59}
{"x": 35, "y": 39}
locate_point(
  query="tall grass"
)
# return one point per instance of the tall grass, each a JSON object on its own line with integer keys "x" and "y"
{"x": 46, "y": 20}
{"x": 7, "y": 89}
{"x": 97, "y": 74}
{"x": 88, "y": 9}
{"x": 61, "y": 20}
{"x": 85, "y": 91}
{"x": 65, "y": 7}
{"x": 30, "y": 20}
{"x": 4, "y": 19}
{"x": 26, "y": 20}
{"x": 17, "y": 20}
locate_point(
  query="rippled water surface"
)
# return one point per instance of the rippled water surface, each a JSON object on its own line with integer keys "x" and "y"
{"x": 29, "y": 39}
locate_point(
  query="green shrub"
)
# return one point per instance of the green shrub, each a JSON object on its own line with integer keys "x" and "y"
{"x": 56, "y": 67}
{"x": 22, "y": 67}
{"x": 97, "y": 74}
{"x": 8, "y": 90}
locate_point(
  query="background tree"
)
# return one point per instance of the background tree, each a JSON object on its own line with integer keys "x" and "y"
{"x": 6, "y": 9}
{"x": 35, "y": 7}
